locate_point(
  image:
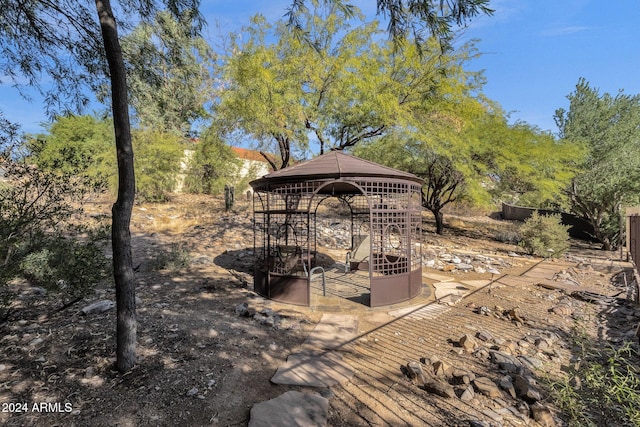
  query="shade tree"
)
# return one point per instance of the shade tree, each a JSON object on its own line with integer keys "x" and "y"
{"x": 416, "y": 20}
{"x": 78, "y": 46}
{"x": 443, "y": 181}
{"x": 608, "y": 126}
{"x": 527, "y": 166}
{"x": 75, "y": 145}
{"x": 344, "y": 85}
{"x": 170, "y": 73}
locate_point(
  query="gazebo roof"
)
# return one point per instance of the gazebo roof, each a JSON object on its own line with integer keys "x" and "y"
{"x": 331, "y": 165}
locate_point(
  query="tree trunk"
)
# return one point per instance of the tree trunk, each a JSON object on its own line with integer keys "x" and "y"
{"x": 437, "y": 213}
{"x": 121, "y": 211}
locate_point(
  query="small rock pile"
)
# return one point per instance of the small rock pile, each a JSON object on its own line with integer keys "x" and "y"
{"x": 443, "y": 260}
{"x": 512, "y": 390}
{"x": 269, "y": 318}
{"x": 333, "y": 234}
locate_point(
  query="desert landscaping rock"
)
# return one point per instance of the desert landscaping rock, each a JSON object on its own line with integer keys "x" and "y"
{"x": 493, "y": 415}
{"x": 462, "y": 376}
{"x": 439, "y": 388}
{"x": 542, "y": 415}
{"x": 242, "y": 309}
{"x": 525, "y": 387}
{"x": 292, "y": 408}
{"x": 415, "y": 372}
{"x": 506, "y": 383}
{"x": 484, "y": 310}
{"x": 484, "y": 336}
{"x": 98, "y": 307}
{"x": 487, "y": 387}
{"x": 468, "y": 394}
{"x": 468, "y": 343}
{"x": 505, "y": 361}
{"x": 482, "y": 354}
{"x": 464, "y": 267}
{"x": 441, "y": 368}
{"x": 530, "y": 362}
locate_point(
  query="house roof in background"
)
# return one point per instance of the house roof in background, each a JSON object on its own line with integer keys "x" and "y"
{"x": 247, "y": 154}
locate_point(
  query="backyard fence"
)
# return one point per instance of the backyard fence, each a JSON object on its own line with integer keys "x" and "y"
{"x": 578, "y": 227}
{"x": 633, "y": 234}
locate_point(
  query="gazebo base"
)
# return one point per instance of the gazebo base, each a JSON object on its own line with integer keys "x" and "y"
{"x": 380, "y": 291}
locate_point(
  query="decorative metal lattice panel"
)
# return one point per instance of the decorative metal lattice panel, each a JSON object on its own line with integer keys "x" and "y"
{"x": 384, "y": 212}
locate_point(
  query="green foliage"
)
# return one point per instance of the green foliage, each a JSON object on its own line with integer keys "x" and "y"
{"x": 59, "y": 51}
{"x": 342, "y": 86}
{"x": 157, "y": 163}
{"x": 169, "y": 73}
{"x": 83, "y": 147}
{"x": 212, "y": 166}
{"x": 174, "y": 258}
{"x": 36, "y": 233}
{"x": 76, "y": 146}
{"x": 66, "y": 266}
{"x": 418, "y": 18}
{"x": 443, "y": 181}
{"x": 544, "y": 235}
{"x": 31, "y": 201}
{"x": 608, "y": 126}
{"x": 609, "y": 391}
{"x": 532, "y": 167}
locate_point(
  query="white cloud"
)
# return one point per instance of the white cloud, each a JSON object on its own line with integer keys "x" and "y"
{"x": 564, "y": 31}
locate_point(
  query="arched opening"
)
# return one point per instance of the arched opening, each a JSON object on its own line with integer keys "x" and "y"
{"x": 343, "y": 243}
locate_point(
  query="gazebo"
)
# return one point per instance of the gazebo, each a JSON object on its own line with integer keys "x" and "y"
{"x": 386, "y": 216}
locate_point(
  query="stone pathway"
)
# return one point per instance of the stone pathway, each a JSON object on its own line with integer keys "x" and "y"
{"x": 292, "y": 408}
{"x": 320, "y": 365}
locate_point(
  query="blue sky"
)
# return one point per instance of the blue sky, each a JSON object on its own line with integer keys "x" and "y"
{"x": 533, "y": 51}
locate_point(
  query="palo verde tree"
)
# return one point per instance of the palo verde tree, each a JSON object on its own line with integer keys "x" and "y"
{"x": 170, "y": 73}
{"x": 528, "y": 166}
{"x": 67, "y": 42}
{"x": 82, "y": 147}
{"x": 438, "y": 142}
{"x": 340, "y": 85}
{"x": 609, "y": 127}
{"x": 408, "y": 19}
{"x": 211, "y": 165}
{"x": 444, "y": 182}
{"x": 75, "y": 145}
{"x": 464, "y": 148}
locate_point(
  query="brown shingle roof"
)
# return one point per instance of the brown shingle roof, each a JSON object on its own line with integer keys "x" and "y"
{"x": 334, "y": 164}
